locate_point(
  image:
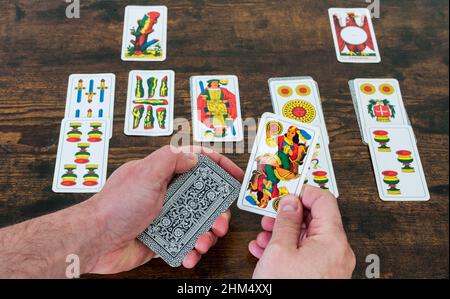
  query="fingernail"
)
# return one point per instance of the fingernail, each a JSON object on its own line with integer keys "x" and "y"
{"x": 191, "y": 156}
{"x": 288, "y": 204}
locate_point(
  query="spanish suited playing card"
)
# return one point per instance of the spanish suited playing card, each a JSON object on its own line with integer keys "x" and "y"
{"x": 378, "y": 102}
{"x": 191, "y": 205}
{"x": 145, "y": 33}
{"x": 353, "y": 35}
{"x": 216, "y": 109}
{"x": 91, "y": 96}
{"x": 321, "y": 172}
{"x": 396, "y": 163}
{"x": 150, "y": 103}
{"x": 298, "y": 98}
{"x": 279, "y": 163}
{"x": 82, "y": 158}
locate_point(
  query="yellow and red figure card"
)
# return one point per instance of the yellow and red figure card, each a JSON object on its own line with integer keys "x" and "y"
{"x": 216, "y": 109}
{"x": 279, "y": 163}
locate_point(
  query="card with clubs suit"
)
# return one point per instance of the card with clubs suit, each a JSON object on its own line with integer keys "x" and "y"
{"x": 150, "y": 103}
{"x": 144, "y": 33}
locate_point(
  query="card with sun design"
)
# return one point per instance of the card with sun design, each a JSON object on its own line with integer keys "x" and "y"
{"x": 298, "y": 98}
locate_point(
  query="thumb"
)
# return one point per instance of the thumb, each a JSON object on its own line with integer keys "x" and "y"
{"x": 164, "y": 163}
{"x": 287, "y": 227}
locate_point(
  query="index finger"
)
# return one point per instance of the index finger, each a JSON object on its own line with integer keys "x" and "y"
{"x": 221, "y": 160}
{"x": 324, "y": 210}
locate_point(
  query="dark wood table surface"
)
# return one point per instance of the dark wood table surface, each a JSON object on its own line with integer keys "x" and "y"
{"x": 254, "y": 40}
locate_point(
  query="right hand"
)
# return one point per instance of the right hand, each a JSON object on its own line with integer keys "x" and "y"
{"x": 306, "y": 240}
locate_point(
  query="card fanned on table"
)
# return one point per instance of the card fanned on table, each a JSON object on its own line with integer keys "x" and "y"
{"x": 298, "y": 98}
{"x": 191, "y": 205}
{"x": 82, "y": 158}
{"x": 386, "y": 129}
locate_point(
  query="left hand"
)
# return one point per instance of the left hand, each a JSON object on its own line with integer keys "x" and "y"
{"x": 133, "y": 197}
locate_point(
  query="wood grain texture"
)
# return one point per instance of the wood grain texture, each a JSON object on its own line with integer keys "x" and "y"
{"x": 255, "y": 40}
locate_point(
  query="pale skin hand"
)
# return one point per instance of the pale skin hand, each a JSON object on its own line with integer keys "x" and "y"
{"x": 306, "y": 240}
{"x": 147, "y": 181}
{"x": 102, "y": 231}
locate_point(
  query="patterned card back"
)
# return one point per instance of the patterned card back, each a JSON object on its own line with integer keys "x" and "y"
{"x": 193, "y": 202}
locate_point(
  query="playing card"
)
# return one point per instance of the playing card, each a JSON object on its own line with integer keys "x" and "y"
{"x": 321, "y": 172}
{"x": 150, "y": 103}
{"x": 191, "y": 205}
{"x": 396, "y": 163}
{"x": 90, "y": 96}
{"x": 216, "y": 109}
{"x": 378, "y": 102}
{"x": 145, "y": 33}
{"x": 353, "y": 35}
{"x": 279, "y": 163}
{"x": 298, "y": 98}
{"x": 82, "y": 158}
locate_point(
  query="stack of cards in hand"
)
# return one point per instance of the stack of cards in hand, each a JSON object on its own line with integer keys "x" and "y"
{"x": 385, "y": 128}
{"x": 82, "y": 158}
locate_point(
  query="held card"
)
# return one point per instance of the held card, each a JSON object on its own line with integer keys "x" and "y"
{"x": 279, "y": 163}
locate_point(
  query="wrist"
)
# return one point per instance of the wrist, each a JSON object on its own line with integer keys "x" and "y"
{"x": 92, "y": 229}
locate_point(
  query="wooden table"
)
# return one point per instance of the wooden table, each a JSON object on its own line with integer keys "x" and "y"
{"x": 254, "y": 40}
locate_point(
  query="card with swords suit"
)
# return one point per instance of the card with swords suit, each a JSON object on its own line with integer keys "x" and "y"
{"x": 91, "y": 96}
{"x": 216, "y": 109}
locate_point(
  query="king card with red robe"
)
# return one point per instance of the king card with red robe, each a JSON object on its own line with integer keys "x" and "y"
{"x": 278, "y": 164}
{"x": 353, "y": 35}
{"x": 216, "y": 109}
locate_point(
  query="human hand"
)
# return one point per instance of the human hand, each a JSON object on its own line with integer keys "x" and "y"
{"x": 133, "y": 197}
{"x": 306, "y": 240}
